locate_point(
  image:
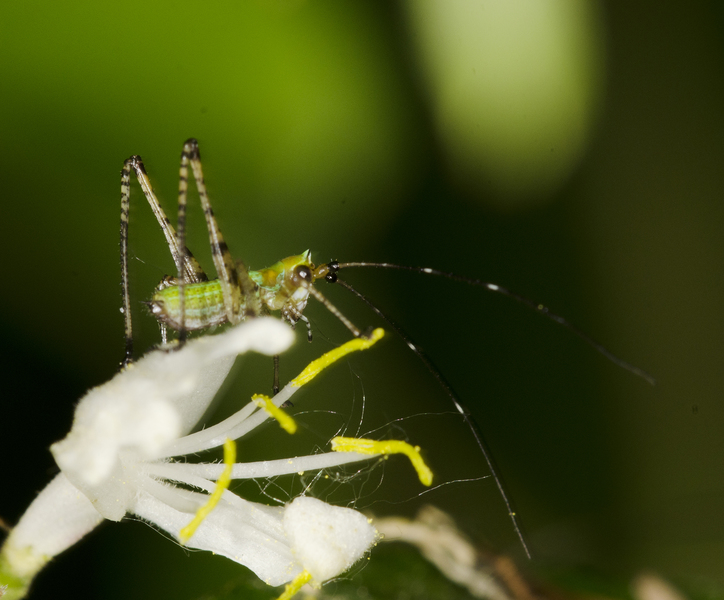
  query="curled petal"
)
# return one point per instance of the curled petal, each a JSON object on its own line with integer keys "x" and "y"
{"x": 327, "y": 540}
{"x": 58, "y": 517}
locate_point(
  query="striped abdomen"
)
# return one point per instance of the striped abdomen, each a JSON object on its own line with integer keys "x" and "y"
{"x": 204, "y": 305}
{"x": 275, "y": 289}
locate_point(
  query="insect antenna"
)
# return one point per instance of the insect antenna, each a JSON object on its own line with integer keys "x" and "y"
{"x": 335, "y": 266}
{"x": 331, "y": 277}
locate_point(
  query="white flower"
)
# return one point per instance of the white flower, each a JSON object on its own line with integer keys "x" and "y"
{"x": 117, "y": 460}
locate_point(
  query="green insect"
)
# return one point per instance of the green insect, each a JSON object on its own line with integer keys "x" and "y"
{"x": 190, "y": 301}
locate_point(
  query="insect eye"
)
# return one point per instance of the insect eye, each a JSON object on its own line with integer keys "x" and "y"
{"x": 302, "y": 275}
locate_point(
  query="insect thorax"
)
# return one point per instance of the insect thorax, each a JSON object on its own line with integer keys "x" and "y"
{"x": 204, "y": 301}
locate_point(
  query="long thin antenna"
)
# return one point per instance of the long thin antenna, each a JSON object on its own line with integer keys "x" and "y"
{"x": 459, "y": 406}
{"x": 537, "y": 307}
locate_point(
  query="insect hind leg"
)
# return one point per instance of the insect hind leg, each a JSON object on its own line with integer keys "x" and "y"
{"x": 192, "y": 270}
{"x": 223, "y": 262}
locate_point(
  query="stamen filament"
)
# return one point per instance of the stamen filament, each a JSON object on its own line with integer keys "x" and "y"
{"x": 174, "y": 497}
{"x": 287, "y": 423}
{"x": 318, "y": 365}
{"x": 208, "y": 438}
{"x": 244, "y": 421}
{"x": 222, "y": 484}
{"x": 295, "y": 585}
{"x": 198, "y": 474}
{"x": 366, "y": 446}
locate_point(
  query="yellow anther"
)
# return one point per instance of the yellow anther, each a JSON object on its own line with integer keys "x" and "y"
{"x": 222, "y": 483}
{"x": 317, "y": 366}
{"x": 365, "y": 446}
{"x": 287, "y": 423}
{"x": 295, "y": 585}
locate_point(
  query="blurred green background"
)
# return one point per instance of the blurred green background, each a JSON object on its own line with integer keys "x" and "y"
{"x": 571, "y": 151}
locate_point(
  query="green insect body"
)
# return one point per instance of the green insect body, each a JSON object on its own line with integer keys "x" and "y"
{"x": 275, "y": 287}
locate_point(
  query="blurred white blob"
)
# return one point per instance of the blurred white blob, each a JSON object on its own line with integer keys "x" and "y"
{"x": 514, "y": 86}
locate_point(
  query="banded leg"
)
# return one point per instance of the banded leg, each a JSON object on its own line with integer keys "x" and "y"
{"x": 126, "y": 308}
{"x": 275, "y": 383}
{"x": 224, "y": 263}
{"x": 183, "y": 182}
{"x": 192, "y": 270}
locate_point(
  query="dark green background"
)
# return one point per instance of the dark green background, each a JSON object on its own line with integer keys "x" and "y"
{"x": 317, "y": 132}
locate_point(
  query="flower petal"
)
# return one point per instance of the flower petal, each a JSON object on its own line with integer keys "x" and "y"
{"x": 58, "y": 517}
{"x": 246, "y": 532}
